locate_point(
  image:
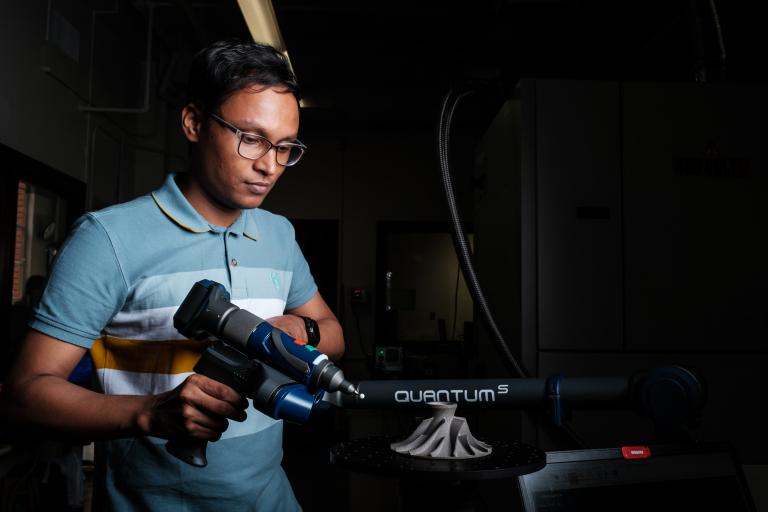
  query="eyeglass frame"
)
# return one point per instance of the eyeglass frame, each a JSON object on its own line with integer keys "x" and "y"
{"x": 240, "y": 133}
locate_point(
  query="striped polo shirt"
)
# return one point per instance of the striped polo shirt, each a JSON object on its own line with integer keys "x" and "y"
{"x": 117, "y": 282}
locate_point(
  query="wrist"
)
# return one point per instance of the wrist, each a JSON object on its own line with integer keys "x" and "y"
{"x": 312, "y": 329}
{"x": 141, "y": 422}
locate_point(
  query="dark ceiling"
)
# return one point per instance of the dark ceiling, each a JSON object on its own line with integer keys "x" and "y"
{"x": 389, "y": 65}
{"x": 374, "y": 59}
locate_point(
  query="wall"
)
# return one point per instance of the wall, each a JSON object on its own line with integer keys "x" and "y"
{"x": 38, "y": 115}
{"x": 59, "y": 56}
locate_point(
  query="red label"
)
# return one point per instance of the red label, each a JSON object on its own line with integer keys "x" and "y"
{"x": 635, "y": 452}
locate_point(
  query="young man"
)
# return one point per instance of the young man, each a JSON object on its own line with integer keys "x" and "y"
{"x": 125, "y": 270}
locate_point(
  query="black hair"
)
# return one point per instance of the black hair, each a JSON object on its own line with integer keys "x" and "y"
{"x": 228, "y": 66}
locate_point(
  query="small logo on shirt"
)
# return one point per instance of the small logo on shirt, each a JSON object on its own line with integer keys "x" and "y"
{"x": 275, "y": 280}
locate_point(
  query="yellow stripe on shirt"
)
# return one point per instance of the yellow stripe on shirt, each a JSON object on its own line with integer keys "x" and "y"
{"x": 164, "y": 357}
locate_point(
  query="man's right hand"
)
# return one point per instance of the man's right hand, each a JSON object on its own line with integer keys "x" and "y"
{"x": 198, "y": 408}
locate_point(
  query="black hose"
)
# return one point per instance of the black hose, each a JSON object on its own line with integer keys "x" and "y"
{"x": 702, "y": 36}
{"x": 460, "y": 242}
{"x": 718, "y": 30}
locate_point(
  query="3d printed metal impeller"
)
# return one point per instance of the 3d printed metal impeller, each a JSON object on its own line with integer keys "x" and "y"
{"x": 443, "y": 436}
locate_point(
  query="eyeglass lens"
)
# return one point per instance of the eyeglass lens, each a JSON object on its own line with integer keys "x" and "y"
{"x": 254, "y": 147}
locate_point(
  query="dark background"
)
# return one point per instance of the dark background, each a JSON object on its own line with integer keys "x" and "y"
{"x": 640, "y": 127}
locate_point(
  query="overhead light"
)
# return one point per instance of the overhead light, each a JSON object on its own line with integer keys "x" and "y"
{"x": 262, "y": 23}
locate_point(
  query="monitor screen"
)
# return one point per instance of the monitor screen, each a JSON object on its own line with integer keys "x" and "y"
{"x": 661, "y": 479}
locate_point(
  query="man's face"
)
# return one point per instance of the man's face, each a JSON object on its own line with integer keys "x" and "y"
{"x": 228, "y": 179}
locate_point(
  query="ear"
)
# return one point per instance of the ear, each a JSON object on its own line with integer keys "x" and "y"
{"x": 191, "y": 121}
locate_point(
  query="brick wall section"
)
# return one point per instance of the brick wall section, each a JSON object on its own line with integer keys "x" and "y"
{"x": 19, "y": 250}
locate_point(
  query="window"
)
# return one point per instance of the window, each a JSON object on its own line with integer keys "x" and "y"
{"x": 40, "y": 229}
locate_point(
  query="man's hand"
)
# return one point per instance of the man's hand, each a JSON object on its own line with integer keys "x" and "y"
{"x": 197, "y": 408}
{"x": 291, "y": 325}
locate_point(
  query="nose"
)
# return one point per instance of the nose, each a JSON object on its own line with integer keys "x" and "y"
{"x": 267, "y": 163}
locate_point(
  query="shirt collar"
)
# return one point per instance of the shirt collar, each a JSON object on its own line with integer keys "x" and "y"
{"x": 250, "y": 227}
{"x": 175, "y": 206}
{"x": 245, "y": 225}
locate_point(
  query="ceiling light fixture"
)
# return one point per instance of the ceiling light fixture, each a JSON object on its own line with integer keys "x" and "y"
{"x": 262, "y": 24}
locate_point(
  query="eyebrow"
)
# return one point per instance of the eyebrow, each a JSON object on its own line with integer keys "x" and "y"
{"x": 258, "y": 130}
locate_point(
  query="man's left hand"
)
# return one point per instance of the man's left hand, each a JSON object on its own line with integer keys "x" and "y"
{"x": 291, "y": 325}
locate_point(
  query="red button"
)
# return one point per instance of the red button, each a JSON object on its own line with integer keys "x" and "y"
{"x": 635, "y": 452}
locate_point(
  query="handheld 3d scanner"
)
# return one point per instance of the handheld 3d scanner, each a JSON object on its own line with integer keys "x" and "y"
{"x": 285, "y": 377}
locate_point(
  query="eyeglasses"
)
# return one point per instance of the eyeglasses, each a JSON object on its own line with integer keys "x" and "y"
{"x": 253, "y": 146}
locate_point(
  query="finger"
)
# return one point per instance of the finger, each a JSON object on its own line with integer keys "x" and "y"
{"x": 291, "y": 325}
{"x": 218, "y": 390}
{"x": 202, "y": 433}
{"x": 198, "y": 393}
{"x": 193, "y": 423}
{"x": 195, "y": 419}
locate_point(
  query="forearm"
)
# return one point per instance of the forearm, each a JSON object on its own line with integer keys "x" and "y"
{"x": 331, "y": 338}
{"x": 52, "y": 406}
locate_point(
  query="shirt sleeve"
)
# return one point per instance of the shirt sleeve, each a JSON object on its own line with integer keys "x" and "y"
{"x": 85, "y": 289}
{"x": 303, "y": 285}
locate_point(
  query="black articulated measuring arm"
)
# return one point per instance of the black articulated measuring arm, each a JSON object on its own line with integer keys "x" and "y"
{"x": 668, "y": 395}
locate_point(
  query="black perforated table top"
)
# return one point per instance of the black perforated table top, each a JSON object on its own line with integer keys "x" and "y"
{"x": 374, "y": 456}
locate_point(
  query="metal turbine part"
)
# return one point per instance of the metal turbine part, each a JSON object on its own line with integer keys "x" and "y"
{"x": 443, "y": 436}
